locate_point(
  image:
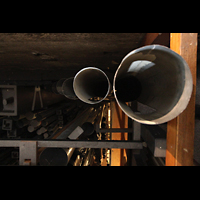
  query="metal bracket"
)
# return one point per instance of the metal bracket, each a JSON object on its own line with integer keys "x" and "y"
{"x": 112, "y": 130}
{"x": 28, "y": 149}
{"x": 8, "y": 100}
{"x": 7, "y": 124}
{"x": 37, "y": 89}
{"x": 136, "y": 130}
{"x": 28, "y": 153}
{"x": 136, "y": 136}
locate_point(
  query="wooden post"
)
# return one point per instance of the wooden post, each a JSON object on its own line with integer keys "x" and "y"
{"x": 119, "y": 120}
{"x": 180, "y": 131}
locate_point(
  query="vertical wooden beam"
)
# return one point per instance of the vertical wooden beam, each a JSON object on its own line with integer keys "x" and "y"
{"x": 180, "y": 131}
{"x": 119, "y": 120}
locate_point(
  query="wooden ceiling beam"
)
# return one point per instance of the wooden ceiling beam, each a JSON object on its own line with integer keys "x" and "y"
{"x": 156, "y": 38}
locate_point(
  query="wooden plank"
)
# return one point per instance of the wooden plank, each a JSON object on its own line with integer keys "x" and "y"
{"x": 180, "y": 131}
{"x": 156, "y": 38}
{"x": 119, "y": 120}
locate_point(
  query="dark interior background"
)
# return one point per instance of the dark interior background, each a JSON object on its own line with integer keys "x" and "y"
{"x": 40, "y": 58}
{"x": 33, "y": 58}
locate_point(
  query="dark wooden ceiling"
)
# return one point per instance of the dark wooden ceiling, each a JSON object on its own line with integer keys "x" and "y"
{"x": 50, "y": 56}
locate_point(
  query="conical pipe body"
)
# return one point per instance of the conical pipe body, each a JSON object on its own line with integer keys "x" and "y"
{"x": 91, "y": 85}
{"x": 68, "y": 90}
{"x": 157, "y": 78}
{"x": 64, "y": 86}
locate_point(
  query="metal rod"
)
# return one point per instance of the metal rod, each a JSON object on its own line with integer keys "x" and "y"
{"x": 60, "y": 156}
{"x": 32, "y": 128}
{"x": 35, "y": 123}
{"x": 49, "y": 120}
{"x": 122, "y": 130}
{"x": 88, "y": 158}
{"x": 44, "y": 115}
{"x": 54, "y": 130}
{"x": 56, "y": 143}
{"x": 41, "y": 130}
{"x": 77, "y": 161}
{"x": 87, "y": 128}
{"x": 22, "y": 122}
{"x": 51, "y": 111}
{"x": 52, "y": 125}
{"x": 158, "y": 79}
{"x": 18, "y": 117}
{"x": 67, "y": 110}
{"x": 92, "y": 144}
{"x": 46, "y": 135}
{"x": 70, "y": 153}
{"x": 78, "y": 121}
{"x": 32, "y": 114}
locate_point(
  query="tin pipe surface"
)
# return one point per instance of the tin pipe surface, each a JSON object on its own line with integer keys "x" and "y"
{"x": 88, "y": 158}
{"x": 77, "y": 161}
{"x": 91, "y": 85}
{"x": 68, "y": 90}
{"x": 157, "y": 79}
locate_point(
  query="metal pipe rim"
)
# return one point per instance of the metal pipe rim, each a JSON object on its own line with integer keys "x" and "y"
{"x": 182, "y": 102}
{"x": 88, "y": 101}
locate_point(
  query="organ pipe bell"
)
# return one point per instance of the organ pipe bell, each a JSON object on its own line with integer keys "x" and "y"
{"x": 157, "y": 78}
{"x": 91, "y": 85}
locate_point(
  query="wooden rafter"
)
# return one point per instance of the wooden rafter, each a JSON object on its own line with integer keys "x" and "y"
{"x": 156, "y": 38}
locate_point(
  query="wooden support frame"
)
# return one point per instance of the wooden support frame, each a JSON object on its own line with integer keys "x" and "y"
{"x": 180, "y": 131}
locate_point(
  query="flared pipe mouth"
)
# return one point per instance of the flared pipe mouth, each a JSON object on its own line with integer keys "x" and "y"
{"x": 91, "y": 85}
{"x": 156, "y": 79}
